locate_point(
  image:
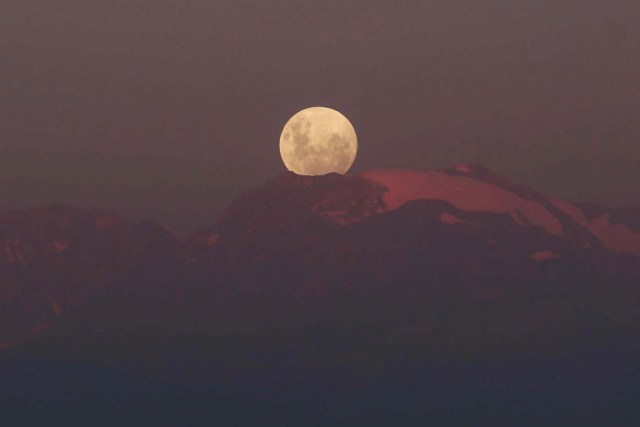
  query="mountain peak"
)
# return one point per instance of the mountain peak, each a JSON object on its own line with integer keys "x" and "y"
{"x": 344, "y": 198}
{"x": 468, "y": 189}
{"x": 467, "y": 168}
{"x": 464, "y": 192}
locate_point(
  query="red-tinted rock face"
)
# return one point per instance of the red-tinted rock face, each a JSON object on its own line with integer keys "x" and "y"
{"x": 309, "y": 239}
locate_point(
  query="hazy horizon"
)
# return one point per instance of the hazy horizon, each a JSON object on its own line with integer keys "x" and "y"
{"x": 177, "y": 109}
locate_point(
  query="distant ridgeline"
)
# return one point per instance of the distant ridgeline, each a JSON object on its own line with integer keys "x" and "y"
{"x": 388, "y": 262}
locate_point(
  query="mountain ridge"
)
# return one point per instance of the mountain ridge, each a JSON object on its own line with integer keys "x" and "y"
{"x": 311, "y": 238}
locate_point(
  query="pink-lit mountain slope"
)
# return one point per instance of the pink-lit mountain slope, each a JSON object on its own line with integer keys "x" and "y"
{"x": 464, "y": 196}
{"x": 305, "y": 240}
{"x": 474, "y": 188}
{"x": 462, "y": 226}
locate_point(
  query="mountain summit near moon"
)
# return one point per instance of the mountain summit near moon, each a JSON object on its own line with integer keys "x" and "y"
{"x": 320, "y": 288}
{"x": 318, "y": 141}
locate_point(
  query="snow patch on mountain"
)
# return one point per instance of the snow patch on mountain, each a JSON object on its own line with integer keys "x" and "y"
{"x": 346, "y": 206}
{"x": 615, "y": 237}
{"x": 464, "y": 193}
{"x": 448, "y": 218}
{"x": 462, "y": 167}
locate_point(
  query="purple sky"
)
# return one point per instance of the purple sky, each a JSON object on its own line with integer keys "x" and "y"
{"x": 169, "y": 109}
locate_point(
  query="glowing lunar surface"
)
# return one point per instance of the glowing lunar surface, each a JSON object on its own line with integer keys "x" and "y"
{"x": 318, "y": 141}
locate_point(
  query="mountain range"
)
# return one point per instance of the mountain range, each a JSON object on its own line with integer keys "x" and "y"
{"x": 313, "y": 236}
{"x": 328, "y": 279}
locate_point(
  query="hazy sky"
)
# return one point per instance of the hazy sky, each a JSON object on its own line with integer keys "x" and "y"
{"x": 169, "y": 109}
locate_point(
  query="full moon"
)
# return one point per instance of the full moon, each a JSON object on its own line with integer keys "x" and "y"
{"x": 318, "y": 141}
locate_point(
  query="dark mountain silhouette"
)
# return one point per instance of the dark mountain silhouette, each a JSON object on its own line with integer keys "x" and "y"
{"x": 332, "y": 280}
{"x": 312, "y": 238}
{"x": 57, "y": 257}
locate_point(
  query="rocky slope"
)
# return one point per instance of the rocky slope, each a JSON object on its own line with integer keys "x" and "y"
{"x": 391, "y": 243}
{"x": 57, "y": 257}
